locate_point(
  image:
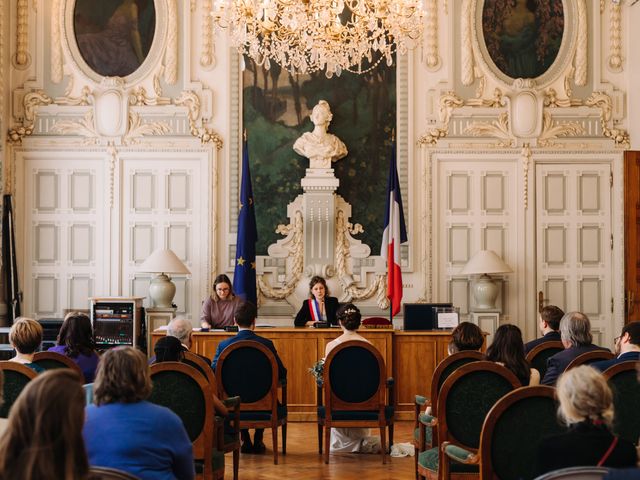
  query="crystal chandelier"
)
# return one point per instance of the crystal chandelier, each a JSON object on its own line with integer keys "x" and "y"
{"x": 305, "y": 36}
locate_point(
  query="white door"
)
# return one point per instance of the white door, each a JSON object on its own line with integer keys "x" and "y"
{"x": 574, "y": 243}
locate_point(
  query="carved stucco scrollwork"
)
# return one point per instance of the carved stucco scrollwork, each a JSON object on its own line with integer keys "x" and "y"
{"x": 21, "y": 58}
{"x": 56, "y": 43}
{"x": 207, "y": 56}
{"x": 138, "y": 97}
{"x": 113, "y": 158}
{"x": 138, "y": 128}
{"x": 615, "y": 38}
{"x": 83, "y": 99}
{"x": 431, "y": 55}
{"x": 496, "y": 101}
{"x": 344, "y": 240}
{"x": 448, "y": 102}
{"x": 171, "y": 52}
{"x": 551, "y": 99}
{"x": 31, "y": 102}
{"x": 551, "y": 130}
{"x": 294, "y": 232}
{"x": 603, "y": 101}
{"x": 84, "y": 128}
{"x": 466, "y": 52}
{"x": 580, "y": 63}
{"x": 498, "y": 129}
{"x": 190, "y": 100}
{"x": 525, "y": 156}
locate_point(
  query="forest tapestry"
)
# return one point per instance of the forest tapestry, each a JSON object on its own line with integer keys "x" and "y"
{"x": 276, "y": 108}
{"x": 523, "y": 37}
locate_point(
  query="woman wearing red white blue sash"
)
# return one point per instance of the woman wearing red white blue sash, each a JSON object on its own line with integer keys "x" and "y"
{"x": 320, "y": 307}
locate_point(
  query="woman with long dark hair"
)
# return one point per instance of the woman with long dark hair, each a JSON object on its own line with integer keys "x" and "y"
{"x": 75, "y": 340}
{"x": 219, "y": 308}
{"x": 320, "y": 307}
{"x": 508, "y": 349}
{"x": 43, "y": 438}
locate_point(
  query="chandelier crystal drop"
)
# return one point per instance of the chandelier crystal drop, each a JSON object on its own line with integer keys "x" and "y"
{"x": 304, "y": 36}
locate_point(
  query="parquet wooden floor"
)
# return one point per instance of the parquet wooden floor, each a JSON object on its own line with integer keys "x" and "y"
{"x": 303, "y": 462}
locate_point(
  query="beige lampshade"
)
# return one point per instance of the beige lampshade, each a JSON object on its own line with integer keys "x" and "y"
{"x": 163, "y": 260}
{"x": 485, "y": 261}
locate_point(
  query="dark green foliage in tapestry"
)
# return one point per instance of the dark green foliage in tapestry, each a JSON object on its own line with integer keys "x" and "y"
{"x": 276, "y": 108}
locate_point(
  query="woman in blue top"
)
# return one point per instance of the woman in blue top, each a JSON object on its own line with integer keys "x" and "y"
{"x": 123, "y": 430}
{"x": 75, "y": 340}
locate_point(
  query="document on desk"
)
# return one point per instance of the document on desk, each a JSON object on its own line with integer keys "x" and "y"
{"x": 264, "y": 325}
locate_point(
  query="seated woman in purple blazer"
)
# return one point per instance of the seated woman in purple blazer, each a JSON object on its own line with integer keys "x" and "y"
{"x": 75, "y": 340}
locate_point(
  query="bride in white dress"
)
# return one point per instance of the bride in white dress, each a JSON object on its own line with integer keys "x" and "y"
{"x": 350, "y": 440}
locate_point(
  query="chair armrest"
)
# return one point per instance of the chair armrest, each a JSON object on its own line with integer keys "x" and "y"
{"x": 459, "y": 454}
{"x": 390, "y": 383}
{"x": 421, "y": 401}
{"x": 231, "y": 402}
{"x": 319, "y": 395}
{"x": 427, "y": 420}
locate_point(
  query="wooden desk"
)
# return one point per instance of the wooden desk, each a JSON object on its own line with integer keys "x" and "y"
{"x": 410, "y": 357}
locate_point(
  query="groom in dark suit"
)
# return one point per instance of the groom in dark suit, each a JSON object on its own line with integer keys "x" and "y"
{"x": 245, "y": 319}
{"x": 627, "y": 347}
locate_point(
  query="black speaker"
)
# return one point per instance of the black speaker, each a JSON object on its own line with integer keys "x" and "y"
{"x": 422, "y": 316}
{"x": 50, "y": 331}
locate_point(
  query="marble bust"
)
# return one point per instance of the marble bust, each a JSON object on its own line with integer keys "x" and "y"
{"x": 319, "y": 146}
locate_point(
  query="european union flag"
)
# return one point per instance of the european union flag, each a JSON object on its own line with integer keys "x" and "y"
{"x": 244, "y": 276}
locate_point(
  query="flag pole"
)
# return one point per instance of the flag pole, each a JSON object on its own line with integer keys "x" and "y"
{"x": 393, "y": 139}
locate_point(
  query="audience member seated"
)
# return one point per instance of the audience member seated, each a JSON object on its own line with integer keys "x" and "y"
{"x": 350, "y": 439}
{"x": 183, "y": 331}
{"x": 627, "y": 347}
{"x": 586, "y": 406}
{"x": 25, "y": 336}
{"x": 507, "y": 349}
{"x": 125, "y": 431}
{"x": 246, "y": 321}
{"x": 466, "y": 336}
{"x": 218, "y": 309}
{"x": 3, "y": 421}
{"x": 75, "y": 340}
{"x": 319, "y": 307}
{"x": 43, "y": 438}
{"x": 549, "y": 324}
{"x": 575, "y": 334}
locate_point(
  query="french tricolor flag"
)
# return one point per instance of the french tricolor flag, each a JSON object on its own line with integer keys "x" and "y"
{"x": 395, "y": 233}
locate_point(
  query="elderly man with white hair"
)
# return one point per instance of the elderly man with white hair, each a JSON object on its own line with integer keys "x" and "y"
{"x": 183, "y": 330}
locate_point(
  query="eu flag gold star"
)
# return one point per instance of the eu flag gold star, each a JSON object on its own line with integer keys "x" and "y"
{"x": 253, "y": 265}
{"x": 241, "y": 261}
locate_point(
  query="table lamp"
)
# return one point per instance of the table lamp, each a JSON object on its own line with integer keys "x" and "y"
{"x": 485, "y": 291}
{"x": 161, "y": 288}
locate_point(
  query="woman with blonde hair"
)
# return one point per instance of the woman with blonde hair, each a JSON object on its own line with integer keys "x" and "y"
{"x": 43, "y": 437}
{"x": 125, "y": 431}
{"x": 586, "y": 407}
{"x": 25, "y": 336}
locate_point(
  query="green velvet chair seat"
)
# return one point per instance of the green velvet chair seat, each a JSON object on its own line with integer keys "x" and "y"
{"x": 428, "y": 434}
{"x": 257, "y": 415}
{"x": 429, "y": 460}
{"x": 356, "y": 414}
{"x": 217, "y": 459}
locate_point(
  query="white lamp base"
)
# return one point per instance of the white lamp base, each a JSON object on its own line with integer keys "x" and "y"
{"x": 485, "y": 291}
{"x": 162, "y": 291}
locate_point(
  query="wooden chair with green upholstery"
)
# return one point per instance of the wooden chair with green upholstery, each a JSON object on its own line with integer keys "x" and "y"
{"x": 626, "y": 398}
{"x": 539, "y": 355}
{"x": 16, "y": 377}
{"x": 503, "y": 453}
{"x": 423, "y": 435}
{"x": 590, "y": 357}
{"x": 356, "y": 393}
{"x": 186, "y": 392}
{"x": 248, "y": 369}
{"x": 232, "y": 431}
{"x": 462, "y": 405}
{"x": 51, "y": 360}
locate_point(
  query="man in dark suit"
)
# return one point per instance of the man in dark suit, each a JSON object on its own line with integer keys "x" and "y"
{"x": 575, "y": 334}
{"x": 627, "y": 347}
{"x": 549, "y": 323}
{"x": 245, "y": 319}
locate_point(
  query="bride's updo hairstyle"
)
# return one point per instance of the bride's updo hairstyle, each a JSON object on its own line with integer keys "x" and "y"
{"x": 349, "y": 316}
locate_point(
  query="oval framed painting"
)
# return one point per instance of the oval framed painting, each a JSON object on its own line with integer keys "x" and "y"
{"x": 525, "y": 38}
{"x": 113, "y": 38}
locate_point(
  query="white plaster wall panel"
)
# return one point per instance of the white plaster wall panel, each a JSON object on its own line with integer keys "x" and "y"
{"x": 79, "y": 288}
{"x": 81, "y": 191}
{"x": 459, "y": 293}
{"x": 590, "y": 193}
{"x": 590, "y": 299}
{"x": 554, "y": 193}
{"x": 182, "y": 296}
{"x": 178, "y": 191}
{"x": 459, "y": 238}
{"x": 81, "y": 244}
{"x": 46, "y": 295}
{"x": 62, "y": 228}
{"x": 178, "y": 240}
{"x": 590, "y": 245}
{"x": 47, "y": 243}
{"x": 555, "y": 291}
{"x": 555, "y": 245}
{"x": 46, "y": 191}
{"x": 142, "y": 242}
{"x": 493, "y": 193}
{"x": 494, "y": 238}
{"x": 139, "y": 286}
{"x": 459, "y": 193}
{"x": 143, "y": 191}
